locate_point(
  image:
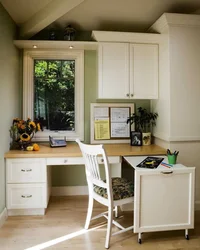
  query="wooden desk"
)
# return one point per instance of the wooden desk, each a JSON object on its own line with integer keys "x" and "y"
{"x": 72, "y": 150}
{"x": 28, "y": 173}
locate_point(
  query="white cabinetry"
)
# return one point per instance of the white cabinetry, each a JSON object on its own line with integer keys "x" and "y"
{"x": 144, "y": 71}
{"x": 164, "y": 200}
{"x": 164, "y": 197}
{"x": 27, "y": 186}
{"x": 113, "y": 70}
{"x": 128, "y": 71}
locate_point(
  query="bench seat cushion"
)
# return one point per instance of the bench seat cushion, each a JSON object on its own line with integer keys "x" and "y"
{"x": 122, "y": 189}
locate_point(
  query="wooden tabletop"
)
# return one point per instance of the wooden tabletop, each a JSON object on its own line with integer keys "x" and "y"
{"x": 72, "y": 150}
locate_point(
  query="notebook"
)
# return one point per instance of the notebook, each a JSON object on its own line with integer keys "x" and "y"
{"x": 150, "y": 162}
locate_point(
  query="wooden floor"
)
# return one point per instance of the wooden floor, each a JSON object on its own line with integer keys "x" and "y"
{"x": 62, "y": 228}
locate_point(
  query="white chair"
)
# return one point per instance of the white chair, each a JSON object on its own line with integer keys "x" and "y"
{"x": 111, "y": 192}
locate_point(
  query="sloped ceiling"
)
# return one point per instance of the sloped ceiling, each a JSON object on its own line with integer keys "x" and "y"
{"x": 33, "y": 16}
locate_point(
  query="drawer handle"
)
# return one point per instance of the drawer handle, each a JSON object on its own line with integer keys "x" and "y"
{"x": 162, "y": 172}
{"x": 26, "y": 196}
{"x": 65, "y": 161}
{"x": 102, "y": 160}
{"x": 26, "y": 170}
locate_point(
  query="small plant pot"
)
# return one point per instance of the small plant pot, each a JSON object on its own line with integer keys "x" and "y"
{"x": 146, "y": 139}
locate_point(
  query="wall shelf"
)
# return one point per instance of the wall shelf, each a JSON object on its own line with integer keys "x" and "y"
{"x": 46, "y": 44}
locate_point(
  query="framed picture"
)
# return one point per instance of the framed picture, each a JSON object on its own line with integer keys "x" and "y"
{"x": 136, "y": 138}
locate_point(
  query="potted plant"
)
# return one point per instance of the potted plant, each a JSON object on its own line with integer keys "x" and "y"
{"x": 144, "y": 121}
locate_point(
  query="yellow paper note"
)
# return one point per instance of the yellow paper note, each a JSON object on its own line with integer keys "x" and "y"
{"x": 101, "y": 129}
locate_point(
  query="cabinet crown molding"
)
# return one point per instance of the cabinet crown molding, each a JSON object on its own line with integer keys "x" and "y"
{"x": 172, "y": 19}
{"x": 125, "y": 37}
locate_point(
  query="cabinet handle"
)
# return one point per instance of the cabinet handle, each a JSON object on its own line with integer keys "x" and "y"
{"x": 170, "y": 172}
{"x": 131, "y": 95}
{"x": 26, "y": 196}
{"x": 65, "y": 161}
{"x": 102, "y": 160}
{"x": 127, "y": 95}
{"x": 26, "y": 170}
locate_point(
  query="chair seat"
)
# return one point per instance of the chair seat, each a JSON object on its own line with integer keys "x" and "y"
{"x": 122, "y": 189}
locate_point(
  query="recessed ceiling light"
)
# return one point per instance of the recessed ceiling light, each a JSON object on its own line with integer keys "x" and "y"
{"x": 35, "y": 46}
{"x": 71, "y": 47}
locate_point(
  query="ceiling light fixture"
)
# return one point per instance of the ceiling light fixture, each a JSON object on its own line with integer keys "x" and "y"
{"x": 71, "y": 47}
{"x": 35, "y": 46}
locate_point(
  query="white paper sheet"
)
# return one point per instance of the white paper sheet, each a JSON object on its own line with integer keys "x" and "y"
{"x": 101, "y": 112}
{"x": 120, "y": 130}
{"x": 119, "y": 114}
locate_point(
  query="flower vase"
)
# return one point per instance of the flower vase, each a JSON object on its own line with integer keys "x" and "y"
{"x": 24, "y": 144}
{"x": 146, "y": 139}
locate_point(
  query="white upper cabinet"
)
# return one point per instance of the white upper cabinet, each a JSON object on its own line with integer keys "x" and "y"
{"x": 144, "y": 71}
{"x": 113, "y": 68}
{"x": 128, "y": 71}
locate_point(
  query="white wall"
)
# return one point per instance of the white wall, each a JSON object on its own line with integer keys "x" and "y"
{"x": 9, "y": 90}
{"x": 185, "y": 82}
{"x": 189, "y": 155}
{"x": 162, "y": 105}
{"x": 182, "y": 86}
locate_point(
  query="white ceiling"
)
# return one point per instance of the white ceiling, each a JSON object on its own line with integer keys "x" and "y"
{"x": 33, "y": 16}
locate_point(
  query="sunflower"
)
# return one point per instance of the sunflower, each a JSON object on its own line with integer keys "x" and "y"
{"x": 32, "y": 125}
{"x": 22, "y": 126}
{"x": 25, "y": 137}
{"x": 22, "y": 131}
{"x": 38, "y": 127}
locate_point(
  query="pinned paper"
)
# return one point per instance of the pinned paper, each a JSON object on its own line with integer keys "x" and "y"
{"x": 102, "y": 129}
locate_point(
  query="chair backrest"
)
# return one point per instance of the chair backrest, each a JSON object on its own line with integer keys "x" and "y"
{"x": 91, "y": 154}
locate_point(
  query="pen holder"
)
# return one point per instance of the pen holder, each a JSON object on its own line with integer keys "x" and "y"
{"x": 172, "y": 159}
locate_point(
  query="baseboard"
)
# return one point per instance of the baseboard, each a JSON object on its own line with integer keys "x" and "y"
{"x": 3, "y": 217}
{"x": 34, "y": 211}
{"x": 69, "y": 190}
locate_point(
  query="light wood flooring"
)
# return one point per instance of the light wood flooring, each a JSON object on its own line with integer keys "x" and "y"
{"x": 62, "y": 228}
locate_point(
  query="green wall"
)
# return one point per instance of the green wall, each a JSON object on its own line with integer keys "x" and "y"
{"x": 9, "y": 90}
{"x": 75, "y": 175}
{"x": 11, "y": 103}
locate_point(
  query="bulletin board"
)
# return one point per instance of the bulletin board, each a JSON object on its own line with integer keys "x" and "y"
{"x": 108, "y": 122}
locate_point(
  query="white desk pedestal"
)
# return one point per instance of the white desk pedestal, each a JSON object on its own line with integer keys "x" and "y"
{"x": 164, "y": 197}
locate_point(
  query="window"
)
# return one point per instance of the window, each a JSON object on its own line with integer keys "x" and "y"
{"x": 54, "y": 92}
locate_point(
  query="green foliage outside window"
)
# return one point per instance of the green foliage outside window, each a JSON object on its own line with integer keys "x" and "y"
{"x": 54, "y": 82}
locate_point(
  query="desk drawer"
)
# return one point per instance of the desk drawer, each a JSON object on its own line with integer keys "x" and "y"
{"x": 21, "y": 196}
{"x": 26, "y": 170}
{"x": 65, "y": 161}
{"x": 111, "y": 159}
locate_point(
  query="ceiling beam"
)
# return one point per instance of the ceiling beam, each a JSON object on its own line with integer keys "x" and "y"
{"x": 52, "y": 11}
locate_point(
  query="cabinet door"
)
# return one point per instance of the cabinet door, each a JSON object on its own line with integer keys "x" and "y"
{"x": 164, "y": 200}
{"x": 144, "y": 71}
{"x": 113, "y": 68}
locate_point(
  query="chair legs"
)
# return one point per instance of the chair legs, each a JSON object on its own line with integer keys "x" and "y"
{"x": 89, "y": 212}
{"x": 116, "y": 211}
{"x": 109, "y": 227}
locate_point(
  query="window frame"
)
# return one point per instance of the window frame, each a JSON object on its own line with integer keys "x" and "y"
{"x": 28, "y": 90}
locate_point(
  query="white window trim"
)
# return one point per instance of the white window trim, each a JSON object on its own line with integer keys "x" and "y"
{"x": 28, "y": 91}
